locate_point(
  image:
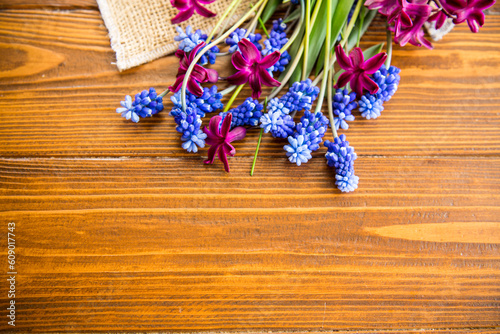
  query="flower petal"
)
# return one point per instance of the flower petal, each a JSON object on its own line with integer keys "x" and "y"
{"x": 344, "y": 78}
{"x": 249, "y": 51}
{"x": 212, "y": 75}
{"x": 195, "y": 50}
{"x": 239, "y": 78}
{"x": 211, "y": 154}
{"x": 356, "y": 57}
{"x": 255, "y": 84}
{"x": 267, "y": 79}
{"x": 236, "y": 134}
{"x": 194, "y": 88}
{"x": 270, "y": 59}
{"x": 373, "y": 64}
{"x": 368, "y": 83}
{"x": 342, "y": 59}
{"x": 223, "y": 158}
{"x": 199, "y": 74}
{"x": 183, "y": 16}
{"x": 177, "y": 84}
{"x": 214, "y": 125}
{"x": 239, "y": 62}
{"x": 226, "y": 125}
{"x": 203, "y": 11}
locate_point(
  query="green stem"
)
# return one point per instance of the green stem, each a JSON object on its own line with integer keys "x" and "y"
{"x": 297, "y": 29}
{"x": 233, "y": 97}
{"x": 208, "y": 47}
{"x": 221, "y": 20}
{"x": 229, "y": 18}
{"x": 253, "y": 24}
{"x": 330, "y": 104}
{"x": 306, "y": 39}
{"x": 165, "y": 92}
{"x": 258, "y": 142}
{"x": 360, "y": 30}
{"x": 228, "y": 90}
{"x": 261, "y": 23}
{"x": 351, "y": 23}
{"x": 389, "y": 48}
{"x": 327, "y": 55}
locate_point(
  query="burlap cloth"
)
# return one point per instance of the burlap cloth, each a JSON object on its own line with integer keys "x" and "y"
{"x": 141, "y": 31}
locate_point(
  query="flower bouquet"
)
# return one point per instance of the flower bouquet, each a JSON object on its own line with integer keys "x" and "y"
{"x": 296, "y": 55}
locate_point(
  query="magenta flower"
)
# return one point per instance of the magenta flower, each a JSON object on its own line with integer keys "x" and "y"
{"x": 357, "y": 70}
{"x": 470, "y": 11}
{"x": 252, "y": 68}
{"x": 219, "y": 137}
{"x": 413, "y": 34}
{"x": 188, "y": 7}
{"x": 198, "y": 75}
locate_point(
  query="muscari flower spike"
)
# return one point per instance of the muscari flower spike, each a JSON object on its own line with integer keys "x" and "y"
{"x": 356, "y": 69}
{"x": 276, "y": 120}
{"x": 297, "y": 151}
{"x": 236, "y": 36}
{"x": 188, "y": 7}
{"x": 343, "y": 104}
{"x": 208, "y": 102}
{"x": 341, "y": 156}
{"x": 220, "y": 137}
{"x": 189, "y": 125}
{"x": 370, "y": 106}
{"x": 189, "y": 40}
{"x": 277, "y": 39}
{"x": 388, "y": 81}
{"x": 313, "y": 127}
{"x": 146, "y": 104}
{"x": 246, "y": 114}
{"x": 252, "y": 68}
{"x": 300, "y": 96}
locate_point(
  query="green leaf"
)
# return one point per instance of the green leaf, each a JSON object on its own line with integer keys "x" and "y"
{"x": 316, "y": 40}
{"x": 293, "y": 16}
{"x": 367, "y": 54}
{"x": 338, "y": 21}
{"x": 351, "y": 41}
{"x": 270, "y": 9}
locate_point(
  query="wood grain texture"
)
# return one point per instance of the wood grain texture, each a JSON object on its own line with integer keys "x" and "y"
{"x": 118, "y": 229}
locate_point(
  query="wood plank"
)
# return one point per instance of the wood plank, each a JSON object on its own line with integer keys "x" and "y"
{"x": 52, "y": 4}
{"x": 61, "y": 106}
{"x": 151, "y": 244}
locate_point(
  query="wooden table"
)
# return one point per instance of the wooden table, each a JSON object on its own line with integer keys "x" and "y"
{"x": 118, "y": 229}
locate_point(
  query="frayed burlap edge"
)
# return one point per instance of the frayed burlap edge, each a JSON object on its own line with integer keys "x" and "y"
{"x": 129, "y": 42}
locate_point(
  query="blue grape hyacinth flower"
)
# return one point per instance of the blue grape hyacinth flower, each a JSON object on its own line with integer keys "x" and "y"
{"x": 370, "y": 106}
{"x": 276, "y": 120}
{"x": 189, "y": 39}
{"x": 208, "y": 102}
{"x": 341, "y": 156}
{"x": 146, "y": 104}
{"x": 246, "y": 114}
{"x": 297, "y": 150}
{"x": 387, "y": 81}
{"x": 236, "y": 36}
{"x": 343, "y": 104}
{"x": 300, "y": 96}
{"x": 189, "y": 125}
{"x": 277, "y": 39}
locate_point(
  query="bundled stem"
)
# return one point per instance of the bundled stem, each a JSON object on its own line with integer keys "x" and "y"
{"x": 327, "y": 55}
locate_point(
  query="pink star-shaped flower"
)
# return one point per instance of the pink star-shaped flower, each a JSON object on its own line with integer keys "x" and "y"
{"x": 188, "y": 7}
{"x": 219, "y": 137}
{"x": 470, "y": 11}
{"x": 198, "y": 75}
{"x": 252, "y": 68}
{"x": 357, "y": 70}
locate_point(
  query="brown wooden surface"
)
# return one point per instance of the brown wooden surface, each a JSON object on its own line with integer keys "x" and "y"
{"x": 119, "y": 229}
